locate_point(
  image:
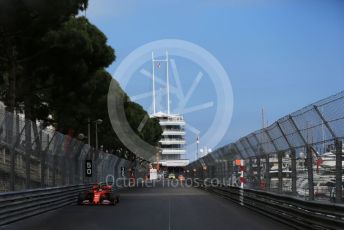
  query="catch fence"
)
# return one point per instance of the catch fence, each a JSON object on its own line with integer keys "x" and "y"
{"x": 299, "y": 150}
{"x": 35, "y": 157}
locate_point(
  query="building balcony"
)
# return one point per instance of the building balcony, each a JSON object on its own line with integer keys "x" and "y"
{"x": 173, "y": 132}
{"x": 174, "y": 163}
{"x": 173, "y": 151}
{"x": 172, "y": 141}
{"x": 171, "y": 122}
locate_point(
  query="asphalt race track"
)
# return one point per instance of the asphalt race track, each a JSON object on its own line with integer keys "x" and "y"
{"x": 161, "y": 207}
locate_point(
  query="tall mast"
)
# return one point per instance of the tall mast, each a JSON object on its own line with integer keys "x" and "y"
{"x": 167, "y": 81}
{"x": 168, "y": 85}
{"x": 153, "y": 65}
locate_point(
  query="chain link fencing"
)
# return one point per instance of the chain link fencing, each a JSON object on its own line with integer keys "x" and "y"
{"x": 35, "y": 157}
{"x": 300, "y": 154}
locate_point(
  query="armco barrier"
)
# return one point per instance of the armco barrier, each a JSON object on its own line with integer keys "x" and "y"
{"x": 15, "y": 206}
{"x": 298, "y": 213}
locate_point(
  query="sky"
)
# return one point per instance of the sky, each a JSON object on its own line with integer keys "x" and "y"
{"x": 280, "y": 55}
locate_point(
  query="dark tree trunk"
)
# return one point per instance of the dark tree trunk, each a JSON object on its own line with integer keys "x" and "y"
{"x": 12, "y": 80}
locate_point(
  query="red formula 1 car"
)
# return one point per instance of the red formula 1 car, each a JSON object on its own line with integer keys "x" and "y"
{"x": 99, "y": 194}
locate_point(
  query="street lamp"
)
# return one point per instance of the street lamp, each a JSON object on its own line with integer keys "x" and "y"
{"x": 97, "y": 122}
{"x": 89, "y": 131}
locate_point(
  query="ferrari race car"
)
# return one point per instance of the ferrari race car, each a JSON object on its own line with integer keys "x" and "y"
{"x": 99, "y": 194}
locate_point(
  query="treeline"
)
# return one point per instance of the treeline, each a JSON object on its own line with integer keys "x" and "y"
{"x": 52, "y": 69}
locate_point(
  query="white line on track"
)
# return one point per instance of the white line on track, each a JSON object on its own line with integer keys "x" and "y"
{"x": 169, "y": 213}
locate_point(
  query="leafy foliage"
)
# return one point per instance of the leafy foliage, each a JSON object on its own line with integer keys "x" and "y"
{"x": 52, "y": 68}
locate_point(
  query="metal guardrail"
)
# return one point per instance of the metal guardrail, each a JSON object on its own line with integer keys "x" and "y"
{"x": 15, "y": 206}
{"x": 299, "y": 214}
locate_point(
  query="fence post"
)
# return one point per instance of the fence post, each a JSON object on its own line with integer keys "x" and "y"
{"x": 95, "y": 157}
{"x": 115, "y": 168}
{"x": 78, "y": 165}
{"x": 250, "y": 171}
{"x": 339, "y": 168}
{"x": 258, "y": 172}
{"x": 251, "y": 174}
{"x": 211, "y": 171}
{"x": 28, "y": 147}
{"x": 43, "y": 169}
{"x": 55, "y": 161}
{"x": 224, "y": 167}
{"x": 293, "y": 171}
{"x": 226, "y": 170}
{"x": 76, "y": 153}
{"x": 63, "y": 169}
{"x": 280, "y": 172}
{"x": 310, "y": 172}
{"x": 10, "y": 150}
{"x": 230, "y": 170}
{"x": 40, "y": 153}
{"x": 267, "y": 171}
{"x": 75, "y": 168}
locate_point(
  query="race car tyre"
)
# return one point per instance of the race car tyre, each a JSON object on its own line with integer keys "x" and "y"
{"x": 90, "y": 196}
{"x": 113, "y": 198}
{"x": 81, "y": 197}
{"x": 101, "y": 200}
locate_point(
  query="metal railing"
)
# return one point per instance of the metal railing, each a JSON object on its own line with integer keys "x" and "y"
{"x": 15, "y": 206}
{"x": 298, "y": 213}
{"x": 301, "y": 155}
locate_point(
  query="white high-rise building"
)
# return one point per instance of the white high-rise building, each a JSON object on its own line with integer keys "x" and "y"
{"x": 172, "y": 141}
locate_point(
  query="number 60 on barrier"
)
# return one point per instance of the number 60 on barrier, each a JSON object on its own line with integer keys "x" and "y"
{"x": 88, "y": 168}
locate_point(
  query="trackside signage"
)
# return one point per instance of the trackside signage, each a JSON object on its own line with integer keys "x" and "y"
{"x": 88, "y": 168}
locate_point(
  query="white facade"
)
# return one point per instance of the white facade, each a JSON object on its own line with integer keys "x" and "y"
{"x": 172, "y": 141}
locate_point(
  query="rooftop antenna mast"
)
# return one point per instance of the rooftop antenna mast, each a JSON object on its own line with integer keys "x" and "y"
{"x": 154, "y": 60}
{"x": 168, "y": 85}
{"x": 153, "y": 66}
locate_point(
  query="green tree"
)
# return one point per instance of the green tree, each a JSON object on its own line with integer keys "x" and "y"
{"x": 53, "y": 63}
{"x": 22, "y": 24}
